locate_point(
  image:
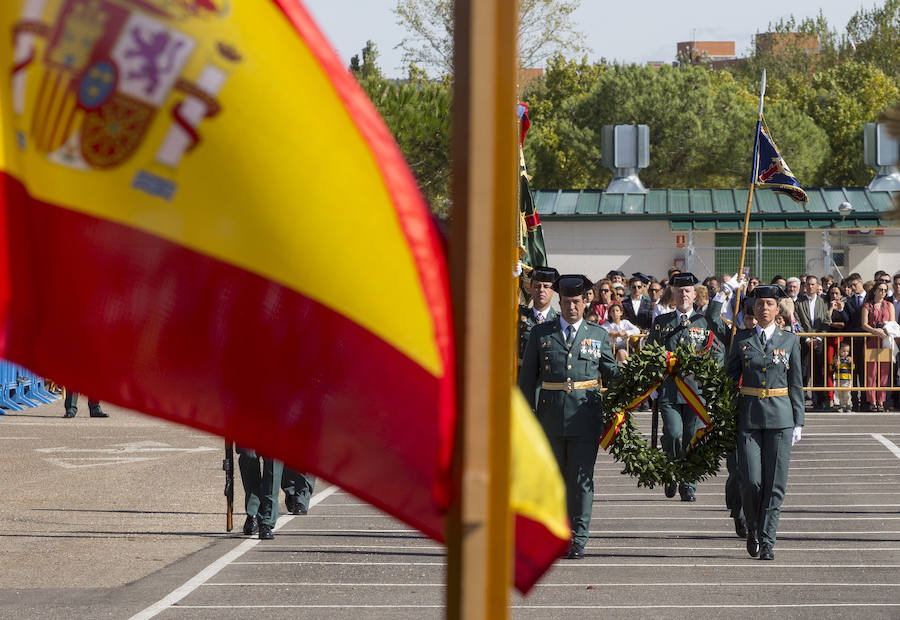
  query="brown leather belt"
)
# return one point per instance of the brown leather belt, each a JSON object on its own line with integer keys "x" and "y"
{"x": 764, "y": 392}
{"x": 569, "y": 386}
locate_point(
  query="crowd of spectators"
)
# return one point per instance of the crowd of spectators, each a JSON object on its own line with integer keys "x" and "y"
{"x": 868, "y": 309}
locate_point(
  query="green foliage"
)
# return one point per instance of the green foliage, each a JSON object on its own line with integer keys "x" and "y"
{"x": 652, "y": 466}
{"x": 701, "y": 126}
{"x": 875, "y": 37}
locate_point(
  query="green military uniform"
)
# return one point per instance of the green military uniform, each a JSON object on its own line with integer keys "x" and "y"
{"x": 556, "y": 363}
{"x": 766, "y": 423}
{"x": 260, "y": 490}
{"x": 679, "y": 420}
{"x": 527, "y": 320}
{"x": 298, "y": 489}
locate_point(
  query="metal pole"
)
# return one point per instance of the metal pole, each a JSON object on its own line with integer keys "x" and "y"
{"x": 482, "y": 259}
{"x": 755, "y": 166}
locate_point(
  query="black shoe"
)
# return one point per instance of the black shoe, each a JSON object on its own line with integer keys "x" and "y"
{"x": 576, "y": 552}
{"x": 670, "y": 490}
{"x": 292, "y": 502}
{"x": 265, "y": 532}
{"x": 687, "y": 494}
{"x": 98, "y": 413}
{"x": 740, "y": 527}
{"x": 251, "y": 525}
{"x": 752, "y": 544}
{"x": 70, "y": 413}
{"x": 765, "y": 552}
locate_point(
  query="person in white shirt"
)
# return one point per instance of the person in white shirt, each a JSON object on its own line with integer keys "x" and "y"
{"x": 620, "y": 330}
{"x": 792, "y": 288}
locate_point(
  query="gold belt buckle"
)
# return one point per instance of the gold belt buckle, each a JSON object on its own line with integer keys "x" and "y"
{"x": 570, "y": 387}
{"x": 764, "y": 392}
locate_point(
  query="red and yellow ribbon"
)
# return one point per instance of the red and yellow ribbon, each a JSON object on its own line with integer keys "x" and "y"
{"x": 690, "y": 396}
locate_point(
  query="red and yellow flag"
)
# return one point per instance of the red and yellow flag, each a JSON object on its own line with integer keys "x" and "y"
{"x": 205, "y": 219}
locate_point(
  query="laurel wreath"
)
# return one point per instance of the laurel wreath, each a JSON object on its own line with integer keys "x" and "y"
{"x": 652, "y": 466}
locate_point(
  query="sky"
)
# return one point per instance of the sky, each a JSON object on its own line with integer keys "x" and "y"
{"x": 631, "y": 31}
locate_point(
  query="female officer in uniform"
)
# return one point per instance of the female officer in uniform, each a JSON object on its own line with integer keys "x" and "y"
{"x": 766, "y": 361}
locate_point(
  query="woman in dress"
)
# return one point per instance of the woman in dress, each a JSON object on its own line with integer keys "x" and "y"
{"x": 875, "y": 312}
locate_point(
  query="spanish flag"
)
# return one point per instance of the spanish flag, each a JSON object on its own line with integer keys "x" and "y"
{"x": 204, "y": 219}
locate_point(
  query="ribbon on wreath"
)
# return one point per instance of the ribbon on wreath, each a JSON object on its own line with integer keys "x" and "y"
{"x": 690, "y": 396}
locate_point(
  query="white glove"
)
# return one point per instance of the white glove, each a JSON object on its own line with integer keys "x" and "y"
{"x": 734, "y": 283}
{"x": 518, "y": 270}
{"x": 796, "y": 437}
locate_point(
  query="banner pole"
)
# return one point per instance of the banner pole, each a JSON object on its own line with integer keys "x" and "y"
{"x": 753, "y": 176}
{"x": 482, "y": 259}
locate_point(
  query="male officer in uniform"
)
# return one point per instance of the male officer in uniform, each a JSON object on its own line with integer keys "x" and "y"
{"x": 671, "y": 329}
{"x": 766, "y": 361}
{"x": 260, "y": 492}
{"x": 564, "y": 358}
{"x": 298, "y": 489}
{"x": 541, "y": 290}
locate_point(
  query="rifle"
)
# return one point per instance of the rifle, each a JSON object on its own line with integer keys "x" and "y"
{"x": 228, "y": 468}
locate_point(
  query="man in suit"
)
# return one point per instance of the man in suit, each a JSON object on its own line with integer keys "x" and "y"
{"x": 814, "y": 315}
{"x": 563, "y": 358}
{"x": 638, "y": 308}
{"x": 853, "y": 306}
{"x": 540, "y": 288}
{"x": 680, "y": 422}
{"x": 765, "y": 361}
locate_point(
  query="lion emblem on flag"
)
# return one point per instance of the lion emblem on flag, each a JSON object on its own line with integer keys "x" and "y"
{"x": 107, "y": 70}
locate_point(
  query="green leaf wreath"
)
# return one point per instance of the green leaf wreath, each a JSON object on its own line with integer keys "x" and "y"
{"x": 652, "y": 466}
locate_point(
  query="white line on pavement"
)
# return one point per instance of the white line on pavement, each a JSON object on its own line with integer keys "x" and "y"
{"x": 660, "y": 564}
{"x": 210, "y": 571}
{"x": 750, "y": 584}
{"x": 887, "y": 443}
{"x": 345, "y": 606}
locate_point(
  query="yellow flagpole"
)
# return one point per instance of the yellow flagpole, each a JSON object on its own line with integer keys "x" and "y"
{"x": 482, "y": 259}
{"x": 755, "y": 166}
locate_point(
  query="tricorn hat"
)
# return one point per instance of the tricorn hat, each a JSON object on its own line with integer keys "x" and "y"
{"x": 544, "y": 274}
{"x": 685, "y": 278}
{"x": 643, "y": 277}
{"x": 772, "y": 291}
{"x": 572, "y": 285}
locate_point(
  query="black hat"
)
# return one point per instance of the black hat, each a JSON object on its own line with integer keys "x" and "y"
{"x": 772, "y": 291}
{"x": 685, "y": 278}
{"x": 544, "y": 274}
{"x": 643, "y": 277}
{"x": 571, "y": 285}
{"x": 614, "y": 272}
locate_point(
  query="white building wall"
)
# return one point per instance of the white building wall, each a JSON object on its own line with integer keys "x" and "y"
{"x": 594, "y": 247}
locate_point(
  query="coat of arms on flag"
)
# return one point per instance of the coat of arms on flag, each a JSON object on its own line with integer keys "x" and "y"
{"x": 772, "y": 171}
{"x": 107, "y": 70}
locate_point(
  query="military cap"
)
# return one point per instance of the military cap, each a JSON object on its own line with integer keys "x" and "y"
{"x": 544, "y": 274}
{"x": 643, "y": 277}
{"x": 572, "y": 285}
{"x": 772, "y": 291}
{"x": 615, "y": 272}
{"x": 685, "y": 278}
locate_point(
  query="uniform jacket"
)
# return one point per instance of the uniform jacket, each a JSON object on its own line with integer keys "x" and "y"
{"x": 669, "y": 333}
{"x": 547, "y": 358}
{"x": 527, "y": 321}
{"x": 776, "y": 367}
{"x": 820, "y": 321}
{"x": 644, "y": 316}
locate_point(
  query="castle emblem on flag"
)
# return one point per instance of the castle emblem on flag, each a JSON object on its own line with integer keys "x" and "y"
{"x": 109, "y": 70}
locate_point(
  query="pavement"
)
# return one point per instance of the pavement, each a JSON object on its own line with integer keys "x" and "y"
{"x": 94, "y": 531}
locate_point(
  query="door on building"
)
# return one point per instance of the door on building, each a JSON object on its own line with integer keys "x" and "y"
{"x": 768, "y": 254}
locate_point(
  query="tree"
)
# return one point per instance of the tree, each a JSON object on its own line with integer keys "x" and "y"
{"x": 875, "y": 37}
{"x": 545, "y": 27}
{"x": 701, "y": 129}
{"x": 367, "y": 68}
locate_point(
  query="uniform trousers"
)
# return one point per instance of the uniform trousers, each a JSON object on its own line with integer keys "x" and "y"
{"x": 764, "y": 456}
{"x": 298, "y": 484}
{"x": 733, "y": 486}
{"x": 260, "y": 487}
{"x": 576, "y": 457}
{"x": 679, "y": 425}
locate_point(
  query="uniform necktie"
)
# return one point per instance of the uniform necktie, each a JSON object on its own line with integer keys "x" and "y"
{"x": 570, "y": 338}
{"x": 540, "y": 318}
{"x": 685, "y": 320}
{"x": 762, "y": 339}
